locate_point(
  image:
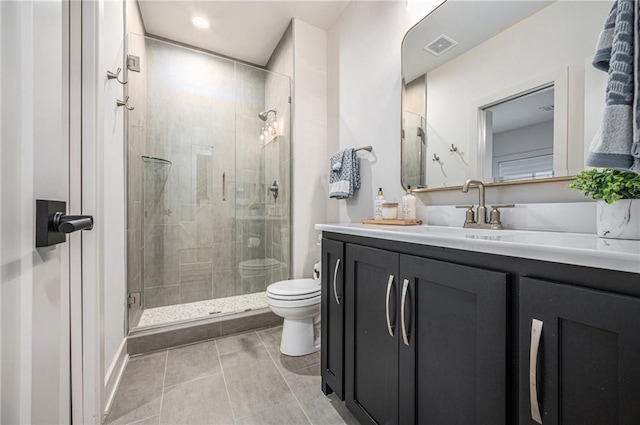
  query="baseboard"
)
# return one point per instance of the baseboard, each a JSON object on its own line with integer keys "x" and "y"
{"x": 114, "y": 374}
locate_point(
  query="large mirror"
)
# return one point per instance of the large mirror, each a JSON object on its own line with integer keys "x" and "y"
{"x": 495, "y": 90}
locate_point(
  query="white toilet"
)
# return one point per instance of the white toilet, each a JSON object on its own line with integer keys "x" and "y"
{"x": 298, "y": 302}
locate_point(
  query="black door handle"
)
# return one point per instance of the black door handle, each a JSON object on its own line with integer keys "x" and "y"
{"x": 71, "y": 223}
{"x": 52, "y": 224}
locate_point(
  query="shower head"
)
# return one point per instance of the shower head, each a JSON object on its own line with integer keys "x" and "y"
{"x": 264, "y": 114}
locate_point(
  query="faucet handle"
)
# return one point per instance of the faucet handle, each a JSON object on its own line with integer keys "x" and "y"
{"x": 470, "y": 217}
{"x": 495, "y": 222}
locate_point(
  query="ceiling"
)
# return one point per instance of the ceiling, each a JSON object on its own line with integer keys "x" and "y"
{"x": 245, "y": 30}
{"x": 523, "y": 111}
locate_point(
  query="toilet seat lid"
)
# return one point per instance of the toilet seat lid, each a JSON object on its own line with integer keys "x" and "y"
{"x": 294, "y": 288}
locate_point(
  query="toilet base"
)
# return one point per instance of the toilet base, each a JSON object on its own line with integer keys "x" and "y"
{"x": 298, "y": 337}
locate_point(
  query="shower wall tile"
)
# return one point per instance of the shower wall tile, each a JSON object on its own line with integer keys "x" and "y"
{"x": 188, "y": 235}
{"x": 195, "y": 291}
{"x": 204, "y": 226}
{"x": 195, "y": 272}
{"x": 224, "y": 283}
{"x": 161, "y": 256}
{"x": 223, "y": 256}
{"x": 161, "y": 296}
{"x": 188, "y": 256}
{"x": 224, "y": 229}
{"x": 187, "y": 212}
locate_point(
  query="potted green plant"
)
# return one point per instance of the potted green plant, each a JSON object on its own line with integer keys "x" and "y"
{"x": 618, "y": 196}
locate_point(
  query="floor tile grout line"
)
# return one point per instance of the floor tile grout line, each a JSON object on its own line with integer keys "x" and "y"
{"x": 164, "y": 378}
{"x": 226, "y": 387}
{"x": 285, "y": 381}
{"x": 168, "y": 387}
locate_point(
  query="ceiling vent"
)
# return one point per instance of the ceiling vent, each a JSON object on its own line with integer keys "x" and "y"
{"x": 440, "y": 45}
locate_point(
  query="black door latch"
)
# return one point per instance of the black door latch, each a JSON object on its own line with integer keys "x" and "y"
{"x": 52, "y": 224}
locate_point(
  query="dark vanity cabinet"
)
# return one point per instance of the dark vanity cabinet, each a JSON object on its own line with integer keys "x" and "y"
{"x": 438, "y": 336}
{"x": 332, "y": 316}
{"x": 579, "y": 356}
{"x": 424, "y": 340}
{"x": 371, "y": 334}
{"x": 452, "y": 345}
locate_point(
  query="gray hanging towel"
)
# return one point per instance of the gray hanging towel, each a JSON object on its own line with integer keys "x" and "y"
{"x": 344, "y": 175}
{"x": 618, "y": 138}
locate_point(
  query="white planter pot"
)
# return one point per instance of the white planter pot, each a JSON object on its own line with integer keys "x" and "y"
{"x": 620, "y": 220}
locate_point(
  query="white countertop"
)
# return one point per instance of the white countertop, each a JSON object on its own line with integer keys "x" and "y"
{"x": 568, "y": 248}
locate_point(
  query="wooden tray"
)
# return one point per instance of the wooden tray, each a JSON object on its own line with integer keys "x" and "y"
{"x": 392, "y": 222}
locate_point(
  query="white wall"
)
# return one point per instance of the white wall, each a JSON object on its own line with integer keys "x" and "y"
{"x": 364, "y": 99}
{"x": 301, "y": 54}
{"x": 111, "y": 56}
{"x": 364, "y": 108}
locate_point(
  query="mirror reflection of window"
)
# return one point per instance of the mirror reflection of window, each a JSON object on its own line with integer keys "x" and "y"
{"x": 519, "y": 135}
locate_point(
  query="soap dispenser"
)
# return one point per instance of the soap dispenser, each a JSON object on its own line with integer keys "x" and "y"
{"x": 409, "y": 205}
{"x": 377, "y": 205}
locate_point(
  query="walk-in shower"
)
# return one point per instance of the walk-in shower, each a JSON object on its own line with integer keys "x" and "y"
{"x": 208, "y": 141}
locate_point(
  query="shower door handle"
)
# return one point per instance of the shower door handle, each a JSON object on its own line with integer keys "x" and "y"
{"x": 224, "y": 186}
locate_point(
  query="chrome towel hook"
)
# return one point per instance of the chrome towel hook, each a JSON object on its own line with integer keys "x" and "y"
{"x": 125, "y": 103}
{"x": 116, "y": 76}
{"x": 436, "y": 158}
{"x": 454, "y": 148}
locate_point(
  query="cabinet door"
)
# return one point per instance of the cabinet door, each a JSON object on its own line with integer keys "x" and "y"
{"x": 371, "y": 341}
{"x": 452, "y": 344}
{"x": 586, "y": 370}
{"x": 332, "y": 311}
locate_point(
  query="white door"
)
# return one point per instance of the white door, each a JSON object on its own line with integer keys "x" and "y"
{"x": 35, "y": 341}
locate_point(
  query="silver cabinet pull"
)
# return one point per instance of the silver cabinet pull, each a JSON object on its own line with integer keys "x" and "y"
{"x": 403, "y": 302}
{"x": 335, "y": 281}
{"x": 536, "y": 333}
{"x": 389, "y": 326}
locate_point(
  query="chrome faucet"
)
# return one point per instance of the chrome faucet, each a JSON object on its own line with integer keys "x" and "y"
{"x": 481, "y": 212}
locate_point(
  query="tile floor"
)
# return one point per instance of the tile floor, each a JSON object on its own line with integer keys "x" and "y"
{"x": 241, "y": 379}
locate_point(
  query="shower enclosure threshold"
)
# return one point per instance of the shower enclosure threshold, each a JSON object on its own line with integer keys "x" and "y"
{"x": 201, "y": 309}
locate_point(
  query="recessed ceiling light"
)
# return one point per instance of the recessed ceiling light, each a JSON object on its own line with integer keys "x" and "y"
{"x": 200, "y": 22}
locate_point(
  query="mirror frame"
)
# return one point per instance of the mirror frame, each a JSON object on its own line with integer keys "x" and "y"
{"x": 477, "y": 119}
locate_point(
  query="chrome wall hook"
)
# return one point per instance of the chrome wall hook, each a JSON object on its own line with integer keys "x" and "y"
{"x": 454, "y": 148}
{"x": 116, "y": 76}
{"x": 436, "y": 158}
{"x": 125, "y": 103}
